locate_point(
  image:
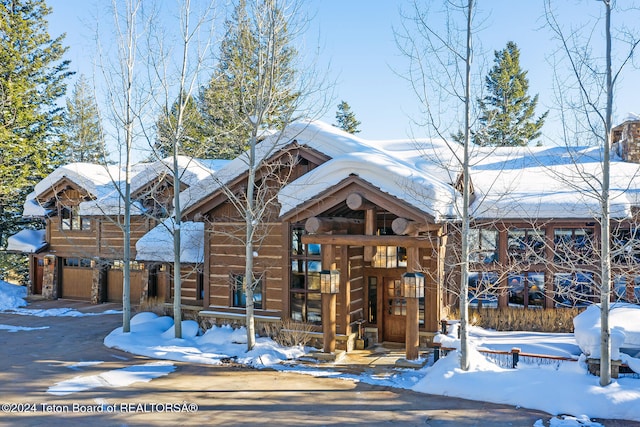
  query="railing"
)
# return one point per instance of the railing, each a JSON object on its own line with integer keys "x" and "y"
{"x": 510, "y": 359}
{"x": 507, "y": 359}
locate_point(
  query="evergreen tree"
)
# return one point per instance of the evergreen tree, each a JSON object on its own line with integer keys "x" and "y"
{"x": 346, "y": 119}
{"x": 83, "y": 137}
{"x": 193, "y": 140}
{"x": 32, "y": 79}
{"x": 224, "y": 103}
{"x": 507, "y": 111}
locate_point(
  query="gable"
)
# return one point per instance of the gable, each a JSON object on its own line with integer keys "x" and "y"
{"x": 334, "y": 202}
{"x": 64, "y": 192}
{"x": 277, "y": 168}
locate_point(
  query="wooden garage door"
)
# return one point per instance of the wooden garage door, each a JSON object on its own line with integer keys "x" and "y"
{"x": 114, "y": 286}
{"x": 76, "y": 281}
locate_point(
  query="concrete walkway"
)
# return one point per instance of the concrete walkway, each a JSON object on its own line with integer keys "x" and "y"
{"x": 34, "y": 360}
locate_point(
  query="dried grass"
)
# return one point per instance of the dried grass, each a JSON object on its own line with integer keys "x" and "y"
{"x": 521, "y": 319}
{"x": 289, "y": 333}
{"x": 154, "y": 305}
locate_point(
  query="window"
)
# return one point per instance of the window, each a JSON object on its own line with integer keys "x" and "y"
{"x": 483, "y": 245}
{"x": 238, "y": 295}
{"x": 200, "y": 285}
{"x": 372, "y": 300}
{"x": 627, "y": 288}
{"x": 306, "y": 263}
{"x": 526, "y": 245}
{"x": 483, "y": 289}
{"x": 526, "y": 289}
{"x": 71, "y": 219}
{"x": 118, "y": 264}
{"x": 573, "y": 289}
{"x": 573, "y": 245}
{"x": 77, "y": 262}
{"x": 625, "y": 246}
{"x": 389, "y": 257}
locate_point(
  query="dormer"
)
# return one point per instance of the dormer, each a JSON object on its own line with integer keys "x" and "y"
{"x": 156, "y": 197}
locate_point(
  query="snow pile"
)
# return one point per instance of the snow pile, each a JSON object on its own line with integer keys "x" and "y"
{"x": 153, "y": 336}
{"x": 624, "y": 322}
{"x": 12, "y": 296}
{"x": 116, "y": 378}
{"x": 558, "y": 388}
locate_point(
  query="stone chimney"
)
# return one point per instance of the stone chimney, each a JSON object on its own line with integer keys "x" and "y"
{"x": 626, "y": 139}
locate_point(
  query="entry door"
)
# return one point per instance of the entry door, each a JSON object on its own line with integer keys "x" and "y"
{"x": 395, "y": 311}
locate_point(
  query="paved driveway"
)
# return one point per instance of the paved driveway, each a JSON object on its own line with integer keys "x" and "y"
{"x": 34, "y": 360}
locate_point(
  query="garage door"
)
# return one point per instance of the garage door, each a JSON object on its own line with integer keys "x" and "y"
{"x": 77, "y": 277}
{"x": 114, "y": 286}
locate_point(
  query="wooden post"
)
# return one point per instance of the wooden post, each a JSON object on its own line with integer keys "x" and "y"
{"x": 328, "y": 303}
{"x": 329, "y": 323}
{"x": 412, "y": 336}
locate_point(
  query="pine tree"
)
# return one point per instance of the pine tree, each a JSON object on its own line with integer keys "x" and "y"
{"x": 507, "y": 111}
{"x": 346, "y": 119}
{"x": 224, "y": 102}
{"x": 83, "y": 137}
{"x": 193, "y": 141}
{"x": 32, "y": 79}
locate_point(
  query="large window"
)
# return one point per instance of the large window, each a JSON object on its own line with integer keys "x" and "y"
{"x": 239, "y": 296}
{"x": 573, "y": 245}
{"x": 306, "y": 263}
{"x": 483, "y": 289}
{"x": 483, "y": 245}
{"x": 627, "y": 288}
{"x": 574, "y": 289}
{"x": 71, "y": 219}
{"x": 526, "y": 245}
{"x": 625, "y": 246}
{"x": 526, "y": 289}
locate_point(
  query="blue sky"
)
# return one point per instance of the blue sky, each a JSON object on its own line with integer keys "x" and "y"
{"x": 356, "y": 37}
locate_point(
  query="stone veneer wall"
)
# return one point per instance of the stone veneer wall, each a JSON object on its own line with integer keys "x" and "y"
{"x": 631, "y": 142}
{"x": 49, "y": 285}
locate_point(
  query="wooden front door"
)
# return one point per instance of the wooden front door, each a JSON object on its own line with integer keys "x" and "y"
{"x": 395, "y": 311}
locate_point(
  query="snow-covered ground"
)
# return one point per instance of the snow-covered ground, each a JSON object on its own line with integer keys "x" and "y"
{"x": 557, "y": 388}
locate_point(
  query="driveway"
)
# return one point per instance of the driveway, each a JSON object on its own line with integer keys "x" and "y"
{"x": 36, "y": 359}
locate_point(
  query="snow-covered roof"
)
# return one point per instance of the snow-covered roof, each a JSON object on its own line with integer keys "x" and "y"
{"x": 104, "y": 184}
{"x": 509, "y": 182}
{"x": 549, "y": 182}
{"x": 157, "y": 244}
{"x": 27, "y": 241}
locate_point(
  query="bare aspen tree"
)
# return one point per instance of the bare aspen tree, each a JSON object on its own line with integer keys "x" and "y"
{"x": 269, "y": 87}
{"x": 595, "y": 83}
{"x": 176, "y": 75}
{"x": 443, "y": 58}
{"x": 126, "y": 104}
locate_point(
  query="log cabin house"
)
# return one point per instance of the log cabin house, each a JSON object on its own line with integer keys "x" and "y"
{"x": 379, "y": 217}
{"x": 80, "y": 256}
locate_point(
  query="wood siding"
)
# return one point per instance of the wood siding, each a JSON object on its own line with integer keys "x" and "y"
{"x": 227, "y": 256}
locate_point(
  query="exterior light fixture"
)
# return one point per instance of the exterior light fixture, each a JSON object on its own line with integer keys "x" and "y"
{"x": 413, "y": 285}
{"x": 329, "y": 281}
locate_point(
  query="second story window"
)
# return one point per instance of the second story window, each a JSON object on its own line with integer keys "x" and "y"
{"x": 71, "y": 220}
{"x": 483, "y": 245}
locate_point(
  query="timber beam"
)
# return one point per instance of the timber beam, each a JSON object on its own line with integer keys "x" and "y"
{"x": 363, "y": 240}
{"x": 403, "y": 226}
{"x": 318, "y": 224}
